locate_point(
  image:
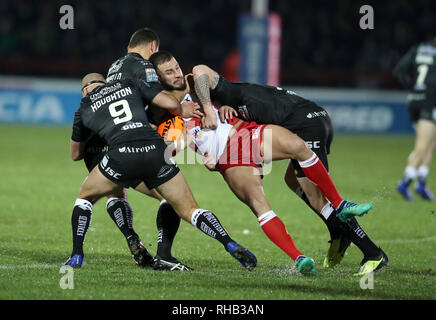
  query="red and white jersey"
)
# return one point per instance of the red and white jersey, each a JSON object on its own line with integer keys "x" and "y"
{"x": 212, "y": 142}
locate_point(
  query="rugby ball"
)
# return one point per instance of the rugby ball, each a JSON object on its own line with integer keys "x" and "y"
{"x": 171, "y": 128}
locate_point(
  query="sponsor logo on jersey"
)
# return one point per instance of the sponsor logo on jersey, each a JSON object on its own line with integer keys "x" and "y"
{"x": 116, "y": 66}
{"x": 197, "y": 133}
{"x": 132, "y": 125}
{"x": 104, "y": 91}
{"x": 151, "y": 75}
{"x": 137, "y": 149}
{"x": 96, "y": 149}
{"x": 316, "y": 114}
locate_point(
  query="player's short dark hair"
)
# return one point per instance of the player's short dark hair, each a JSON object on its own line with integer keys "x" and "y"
{"x": 160, "y": 57}
{"x": 143, "y": 36}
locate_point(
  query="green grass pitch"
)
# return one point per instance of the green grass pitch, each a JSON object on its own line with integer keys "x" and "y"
{"x": 39, "y": 184}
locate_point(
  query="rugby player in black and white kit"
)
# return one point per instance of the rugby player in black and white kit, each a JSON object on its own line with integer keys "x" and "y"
{"x": 136, "y": 156}
{"x": 135, "y": 66}
{"x": 416, "y": 71}
{"x": 310, "y": 122}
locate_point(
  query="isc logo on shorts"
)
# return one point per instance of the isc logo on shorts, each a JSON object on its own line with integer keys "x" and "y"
{"x": 313, "y": 144}
{"x": 107, "y": 169}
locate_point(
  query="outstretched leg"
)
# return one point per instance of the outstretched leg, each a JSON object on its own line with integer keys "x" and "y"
{"x": 178, "y": 194}
{"x": 248, "y": 188}
{"x": 279, "y": 143}
{"x": 341, "y": 233}
{"x": 167, "y": 223}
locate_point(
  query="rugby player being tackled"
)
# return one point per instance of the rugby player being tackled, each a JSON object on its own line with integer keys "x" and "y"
{"x": 283, "y": 113}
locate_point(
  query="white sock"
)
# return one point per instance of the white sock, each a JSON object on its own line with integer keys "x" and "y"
{"x": 309, "y": 162}
{"x": 112, "y": 199}
{"x": 83, "y": 204}
{"x": 410, "y": 173}
{"x": 267, "y": 216}
{"x": 195, "y": 215}
{"x": 327, "y": 210}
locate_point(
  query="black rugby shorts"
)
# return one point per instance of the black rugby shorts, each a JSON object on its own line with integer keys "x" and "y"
{"x": 129, "y": 164}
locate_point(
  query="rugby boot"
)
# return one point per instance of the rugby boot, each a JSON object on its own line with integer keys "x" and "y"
{"x": 348, "y": 210}
{"x": 246, "y": 258}
{"x": 336, "y": 251}
{"x": 170, "y": 264}
{"x": 142, "y": 257}
{"x": 373, "y": 264}
{"x": 424, "y": 192}
{"x": 305, "y": 265}
{"x": 403, "y": 189}
{"x": 75, "y": 261}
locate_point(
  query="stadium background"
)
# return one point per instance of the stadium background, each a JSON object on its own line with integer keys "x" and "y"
{"x": 334, "y": 52}
{"x": 324, "y": 56}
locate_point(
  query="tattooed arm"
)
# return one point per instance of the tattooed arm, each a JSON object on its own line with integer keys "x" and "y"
{"x": 206, "y": 79}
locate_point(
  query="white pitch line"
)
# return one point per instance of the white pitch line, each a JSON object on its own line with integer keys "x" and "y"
{"x": 29, "y": 266}
{"x": 407, "y": 240}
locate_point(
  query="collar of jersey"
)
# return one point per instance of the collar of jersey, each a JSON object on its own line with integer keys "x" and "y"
{"x": 135, "y": 54}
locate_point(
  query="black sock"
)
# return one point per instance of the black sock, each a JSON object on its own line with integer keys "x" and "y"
{"x": 331, "y": 226}
{"x": 167, "y": 222}
{"x": 207, "y": 222}
{"x": 80, "y": 222}
{"x": 122, "y": 214}
{"x": 351, "y": 229}
{"x": 359, "y": 237}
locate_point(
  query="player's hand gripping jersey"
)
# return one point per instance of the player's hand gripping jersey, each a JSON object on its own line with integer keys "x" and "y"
{"x": 233, "y": 143}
